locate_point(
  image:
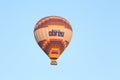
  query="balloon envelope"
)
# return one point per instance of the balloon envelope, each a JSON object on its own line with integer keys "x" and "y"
{"x": 53, "y": 34}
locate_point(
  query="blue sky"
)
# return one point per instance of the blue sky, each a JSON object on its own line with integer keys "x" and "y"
{"x": 94, "y": 51}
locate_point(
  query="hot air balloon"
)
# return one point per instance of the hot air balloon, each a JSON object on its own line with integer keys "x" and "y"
{"x": 53, "y": 34}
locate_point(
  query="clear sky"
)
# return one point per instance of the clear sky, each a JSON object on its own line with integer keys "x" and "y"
{"x": 94, "y": 51}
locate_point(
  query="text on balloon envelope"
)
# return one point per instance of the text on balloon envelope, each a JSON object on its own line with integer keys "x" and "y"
{"x": 56, "y": 33}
